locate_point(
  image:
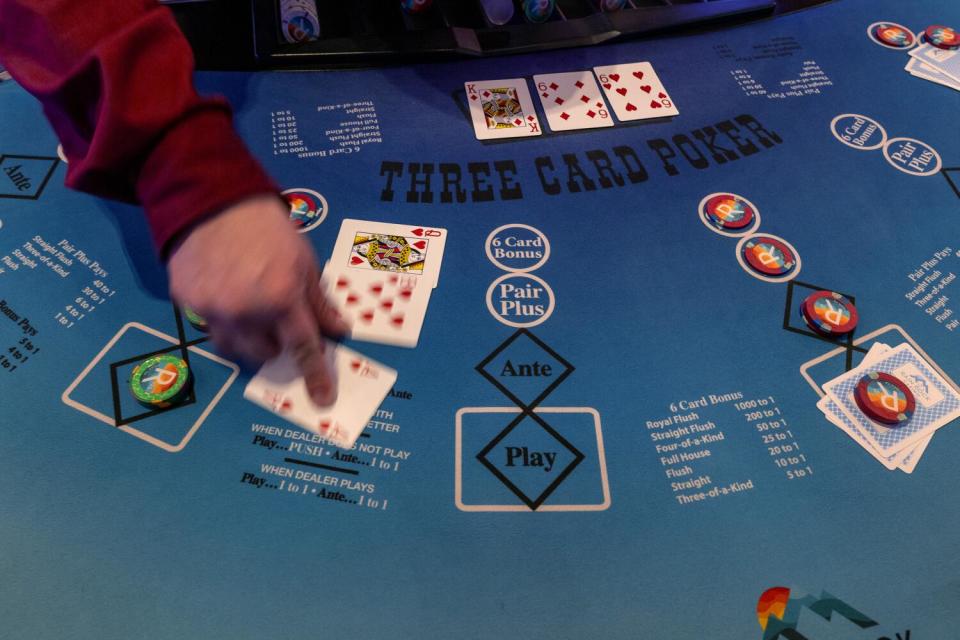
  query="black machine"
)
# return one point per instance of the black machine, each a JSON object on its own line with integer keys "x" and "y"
{"x": 362, "y": 32}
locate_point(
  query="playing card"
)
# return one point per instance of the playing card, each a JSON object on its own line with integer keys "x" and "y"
{"x": 841, "y": 421}
{"x": 909, "y": 463}
{"x": 922, "y": 70}
{"x": 572, "y": 101}
{"x": 942, "y": 60}
{"x": 362, "y": 385}
{"x": 906, "y": 459}
{"x": 937, "y": 403}
{"x": 502, "y": 109}
{"x": 364, "y": 245}
{"x": 635, "y": 91}
{"x": 379, "y": 306}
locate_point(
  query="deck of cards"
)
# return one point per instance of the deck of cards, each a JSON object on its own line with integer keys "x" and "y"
{"x": 928, "y": 403}
{"x": 941, "y": 66}
{"x": 380, "y": 277}
{"x": 570, "y": 101}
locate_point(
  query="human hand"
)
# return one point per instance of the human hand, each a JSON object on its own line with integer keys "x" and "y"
{"x": 255, "y": 281}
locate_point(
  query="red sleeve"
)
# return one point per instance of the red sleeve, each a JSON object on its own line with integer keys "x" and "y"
{"x": 115, "y": 78}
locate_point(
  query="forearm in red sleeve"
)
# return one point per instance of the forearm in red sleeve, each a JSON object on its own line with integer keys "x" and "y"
{"x": 115, "y": 78}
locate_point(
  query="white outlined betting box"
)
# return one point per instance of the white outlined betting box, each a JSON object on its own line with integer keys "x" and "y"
{"x": 891, "y": 334}
{"x": 92, "y": 392}
{"x": 477, "y": 488}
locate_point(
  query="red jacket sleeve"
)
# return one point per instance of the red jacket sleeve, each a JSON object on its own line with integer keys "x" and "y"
{"x": 115, "y": 78}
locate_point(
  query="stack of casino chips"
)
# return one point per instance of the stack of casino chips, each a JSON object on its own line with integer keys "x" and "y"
{"x": 885, "y": 398}
{"x": 768, "y": 256}
{"x": 942, "y": 37}
{"x": 299, "y": 21}
{"x": 728, "y": 212}
{"x": 161, "y": 381}
{"x": 829, "y": 314}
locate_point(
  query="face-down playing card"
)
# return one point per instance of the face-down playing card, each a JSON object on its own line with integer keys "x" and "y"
{"x": 943, "y": 61}
{"x": 937, "y": 403}
{"x": 906, "y": 459}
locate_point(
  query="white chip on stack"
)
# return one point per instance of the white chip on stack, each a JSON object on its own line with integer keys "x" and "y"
{"x": 299, "y": 21}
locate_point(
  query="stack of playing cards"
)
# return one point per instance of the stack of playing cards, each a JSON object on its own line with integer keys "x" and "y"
{"x": 570, "y": 101}
{"x": 936, "y": 65}
{"x": 380, "y": 277}
{"x": 935, "y": 403}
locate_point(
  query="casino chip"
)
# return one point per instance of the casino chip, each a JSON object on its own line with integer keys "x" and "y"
{"x": 415, "y": 6}
{"x": 161, "y": 381}
{"x": 942, "y": 37}
{"x": 768, "y": 256}
{"x": 538, "y": 10}
{"x": 299, "y": 21}
{"x": 885, "y": 398}
{"x": 729, "y": 212}
{"x": 196, "y": 320}
{"x": 307, "y": 208}
{"x": 829, "y": 313}
{"x": 894, "y": 35}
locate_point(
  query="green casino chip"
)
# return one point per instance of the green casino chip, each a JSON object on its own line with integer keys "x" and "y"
{"x": 160, "y": 381}
{"x": 197, "y": 321}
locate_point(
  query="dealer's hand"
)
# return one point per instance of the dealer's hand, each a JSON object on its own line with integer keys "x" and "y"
{"x": 255, "y": 281}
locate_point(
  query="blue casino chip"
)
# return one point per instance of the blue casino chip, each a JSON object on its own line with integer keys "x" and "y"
{"x": 538, "y": 10}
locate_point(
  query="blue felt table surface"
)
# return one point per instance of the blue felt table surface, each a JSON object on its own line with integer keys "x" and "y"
{"x": 104, "y": 535}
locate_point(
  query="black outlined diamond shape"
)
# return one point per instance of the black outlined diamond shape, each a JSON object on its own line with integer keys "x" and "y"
{"x": 792, "y": 321}
{"x": 182, "y": 346}
{"x": 952, "y": 180}
{"x": 567, "y": 369}
{"x": 41, "y": 180}
{"x": 533, "y": 502}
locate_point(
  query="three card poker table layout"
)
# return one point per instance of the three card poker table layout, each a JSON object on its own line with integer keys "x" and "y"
{"x": 624, "y": 417}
